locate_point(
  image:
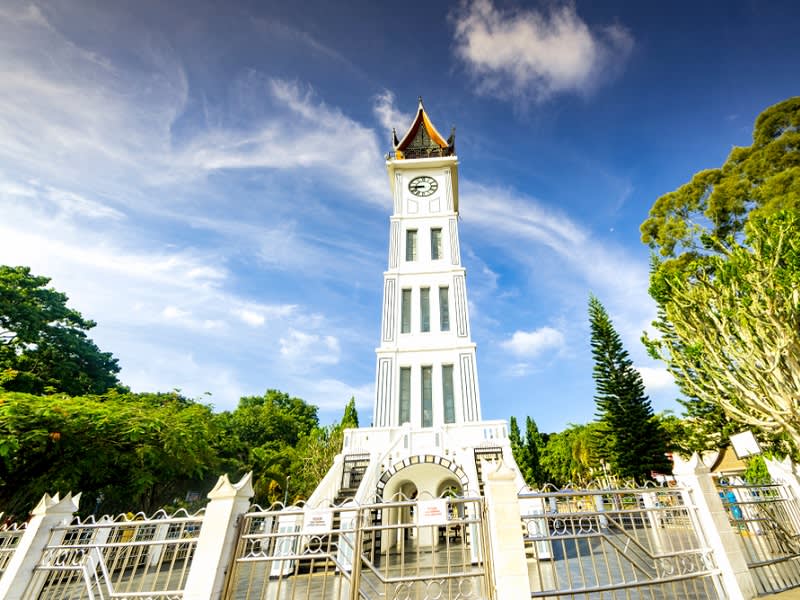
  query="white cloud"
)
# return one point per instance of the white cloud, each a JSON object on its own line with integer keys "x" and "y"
{"x": 387, "y": 114}
{"x": 332, "y": 394}
{"x": 305, "y": 133}
{"x": 656, "y": 378}
{"x": 250, "y": 317}
{"x": 533, "y": 343}
{"x": 303, "y": 349}
{"x": 534, "y": 55}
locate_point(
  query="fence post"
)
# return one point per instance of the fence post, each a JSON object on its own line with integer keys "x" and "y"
{"x": 726, "y": 545}
{"x": 507, "y": 558}
{"x": 217, "y": 539}
{"x": 19, "y": 574}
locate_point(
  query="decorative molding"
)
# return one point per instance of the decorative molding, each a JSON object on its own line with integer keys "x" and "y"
{"x": 383, "y": 392}
{"x": 460, "y": 296}
{"x": 469, "y": 392}
{"x": 448, "y": 186}
{"x": 389, "y": 309}
{"x": 394, "y": 244}
{"x": 435, "y": 205}
{"x": 421, "y": 459}
{"x": 413, "y": 207}
{"x": 398, "y": 193}
{"x": 455, "y": 251}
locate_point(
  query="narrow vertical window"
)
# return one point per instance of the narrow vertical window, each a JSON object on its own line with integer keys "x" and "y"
{"x": 411, "y": 244}
{"x": 405, "y": 395}
{"x": 447, "y": 394}
{"x": 405, "y": 312}
{"x": 436, "y": 244}
{"x": 427, "y": 397}
{"x": 444, "y": 309}
{"x": 425, "y": 309}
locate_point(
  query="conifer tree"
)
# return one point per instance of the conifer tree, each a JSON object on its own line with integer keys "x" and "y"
{"x": 519, "y": 450}
{"x": 629, "y": 439}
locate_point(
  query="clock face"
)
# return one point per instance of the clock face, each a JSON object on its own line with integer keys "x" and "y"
{"x": 423, "y": 186}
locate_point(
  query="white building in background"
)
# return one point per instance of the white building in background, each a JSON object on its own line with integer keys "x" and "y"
{"x": 428, "y": 437}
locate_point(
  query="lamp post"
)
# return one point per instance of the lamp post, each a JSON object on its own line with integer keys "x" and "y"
{"x": 286, "y": 491}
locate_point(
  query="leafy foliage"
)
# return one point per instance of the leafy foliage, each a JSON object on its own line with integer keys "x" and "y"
{"x": 629, "y": 437}
{"x": 43, "y": 343}
{"x": 707, "y": 215}
{"x": 125, "y": 447}
{"x": 730, "y": 333}
{"x": 571, "y": 457}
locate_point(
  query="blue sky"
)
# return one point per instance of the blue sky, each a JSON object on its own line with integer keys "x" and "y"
{"x": 206, "y": 180}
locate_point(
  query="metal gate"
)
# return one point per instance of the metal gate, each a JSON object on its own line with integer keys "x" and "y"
{"x": 616, "y": 543}
{"x": 130, "y": 557}
{"x": 767, "y": 518}
{"x": 432, "y": 549}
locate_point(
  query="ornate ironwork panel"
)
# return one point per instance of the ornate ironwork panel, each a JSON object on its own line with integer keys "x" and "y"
{"x": 620, "y": 543}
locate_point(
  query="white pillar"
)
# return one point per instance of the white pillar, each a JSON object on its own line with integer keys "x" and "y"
{"x": 694, "y": 476}
{"x": 19, "y": 574}
{"x": 505, "y": 534}
{"x": 217, "y": 540}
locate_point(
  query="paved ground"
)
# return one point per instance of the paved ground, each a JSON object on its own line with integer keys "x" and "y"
{"x": 790, "y": 595}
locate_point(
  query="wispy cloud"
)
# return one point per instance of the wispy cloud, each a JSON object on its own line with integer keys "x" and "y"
{"x": 657, "y": 378}
{"x": 530, "y": 54}
{"x": 531, "y": 344}
{"x": 388, "y": 115}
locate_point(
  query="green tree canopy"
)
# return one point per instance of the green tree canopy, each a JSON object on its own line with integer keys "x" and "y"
{"x": 43, "y": 343}
{"x": 707, "y": 215}
{"x": 136, "y": 453}
{"x": 629, "y": 437}
{"x": 730, "y": 333}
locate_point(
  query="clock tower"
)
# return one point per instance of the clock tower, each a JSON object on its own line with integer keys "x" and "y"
{"x": 428, "y": 438}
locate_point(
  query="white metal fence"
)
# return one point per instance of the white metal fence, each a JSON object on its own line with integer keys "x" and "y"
{"x": 701, "y": 539}
{"x": 130, "y": 556}
{"x": 767, "y": 520}
{"x": 378, "y": 551}
{"x": 616, "y": 543}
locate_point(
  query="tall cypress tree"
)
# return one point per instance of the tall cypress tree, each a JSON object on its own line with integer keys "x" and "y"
{"x": 630, "y": 439}
{"x": 519, "y": 450}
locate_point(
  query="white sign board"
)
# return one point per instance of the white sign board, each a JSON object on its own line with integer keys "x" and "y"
{"x": 318, "y": 522}
{"x": 432, "y": 512}
{"x": 745, "y": 444}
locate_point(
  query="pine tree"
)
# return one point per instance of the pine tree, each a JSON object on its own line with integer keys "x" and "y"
{"x": 519, "y": 450}
{"x": 630, "y": 439}
{"x": 533, "y": 446}
{"x": 350, "y": 417}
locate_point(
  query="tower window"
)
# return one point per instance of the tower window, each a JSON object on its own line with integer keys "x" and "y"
{"x": 405, "y": 395}
{"x": 444, "y": 309}
{"x": 447, "y": 394}
{"x": 425, "y": 309}
{"x": 427, "y": 397}
{"x": 436, "y": 244}
{"x": 411, "y": 244}
{"x": 405, "y": 312}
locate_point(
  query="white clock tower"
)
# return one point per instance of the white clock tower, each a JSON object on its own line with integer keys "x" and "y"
{"x": 428, "y": 437}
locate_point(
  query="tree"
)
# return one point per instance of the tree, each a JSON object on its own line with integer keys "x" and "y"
{"x": 124, "y": 448}
{"x": 730, "y": 331}
{"x": 630, "y": 439}
{"x": 519, "y": 450}
{"x": 707, "y": 215}
{"x": 350, "y": 417}
{"x": 43, "y": 343}
{"x": 570, "y": 456}
{"x": 696, "y": 229}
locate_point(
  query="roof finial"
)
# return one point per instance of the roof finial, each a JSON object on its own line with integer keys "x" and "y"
{"x": 420, "y": 100}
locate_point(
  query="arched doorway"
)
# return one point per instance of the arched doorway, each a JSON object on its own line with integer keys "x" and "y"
{"x": 423, "y": 477}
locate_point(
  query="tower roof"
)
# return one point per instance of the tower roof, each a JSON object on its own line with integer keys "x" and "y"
{"x": 422, "y": 140}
